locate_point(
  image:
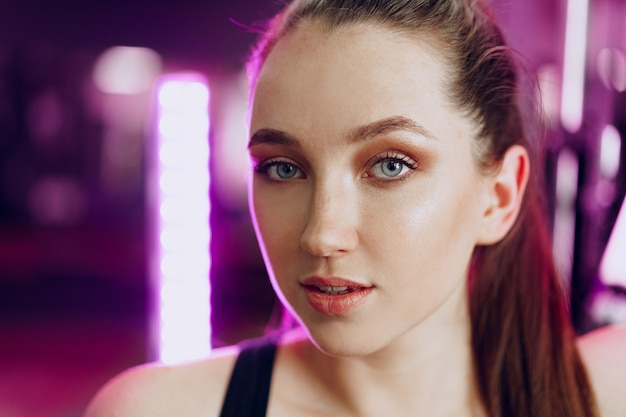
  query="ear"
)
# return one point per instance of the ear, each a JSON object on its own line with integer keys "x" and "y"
{"x": 505, "y": 191}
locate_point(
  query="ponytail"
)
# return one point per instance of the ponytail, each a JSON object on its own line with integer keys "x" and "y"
{"x": 523, "y": 342}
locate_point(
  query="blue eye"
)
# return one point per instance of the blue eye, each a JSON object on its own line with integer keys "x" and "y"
{"x": 392, "y": 167}
{"x": 283, "y": 170}
{"x": 279, "y": 170}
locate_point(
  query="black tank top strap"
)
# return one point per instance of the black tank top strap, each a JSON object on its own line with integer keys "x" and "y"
{"x": 249, "y": 387}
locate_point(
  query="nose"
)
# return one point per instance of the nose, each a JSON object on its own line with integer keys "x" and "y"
{"x": 332, "y": 218}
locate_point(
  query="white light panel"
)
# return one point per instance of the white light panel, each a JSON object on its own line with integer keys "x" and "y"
{"x": 180, "y": 200}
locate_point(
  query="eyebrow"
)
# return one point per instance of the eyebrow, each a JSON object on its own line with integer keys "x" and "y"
{"x": 368, "y": 131}
{"x": 388, "y": 125}
{"x": 271, "y": 136}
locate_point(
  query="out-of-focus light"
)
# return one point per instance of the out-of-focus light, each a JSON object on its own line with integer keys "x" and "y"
{"x": 126, "y": 70}
{"x": 612, "y": 68}
{"x": 565, "y": 215}
{"x": 231, "y": 147}
{"x": 180, "y": 191}
{"x": 610, "y": 147}
{"x": 572, "y": 91}
{"x": 608, "y": 308}
{"x": 56, "y": 200}
{"x": 548, "y": 77}
{"x": 567, "y": 177}
{"x": 613, "y": 264}
{"x": 176, "y": 94}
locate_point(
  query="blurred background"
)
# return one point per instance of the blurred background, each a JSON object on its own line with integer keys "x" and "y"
{"x": 77, "y": 215}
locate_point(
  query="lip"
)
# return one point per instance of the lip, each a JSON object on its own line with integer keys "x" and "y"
{"x": 341, "y": 295}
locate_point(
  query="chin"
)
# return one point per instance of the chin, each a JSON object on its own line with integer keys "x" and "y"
{"x": 344, "y": 343}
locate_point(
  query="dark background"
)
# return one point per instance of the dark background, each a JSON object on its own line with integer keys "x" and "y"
{"x": 74, "y": 287}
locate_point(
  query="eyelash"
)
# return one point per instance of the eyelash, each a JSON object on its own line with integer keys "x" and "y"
{"x": 405, "y": 160}
{"x": 264, "y": 167}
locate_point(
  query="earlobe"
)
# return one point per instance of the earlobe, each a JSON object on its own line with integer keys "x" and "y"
{"x": 506, "y": 190}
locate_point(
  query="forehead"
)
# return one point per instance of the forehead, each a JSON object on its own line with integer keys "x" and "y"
{"x": 316, "y": 78}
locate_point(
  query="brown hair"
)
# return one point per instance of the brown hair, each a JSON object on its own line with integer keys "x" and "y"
{"x": 522, "y": 339}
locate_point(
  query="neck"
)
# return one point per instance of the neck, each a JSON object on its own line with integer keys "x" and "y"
{"x": 427, "y": 371}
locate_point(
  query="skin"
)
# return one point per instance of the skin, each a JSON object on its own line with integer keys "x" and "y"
{"x": 325, "y": 205}
{"x": 604, "y": 354}
{"x": 409, "y": 236}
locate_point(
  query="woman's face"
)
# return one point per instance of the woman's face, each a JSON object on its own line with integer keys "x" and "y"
{"x": 366, "y": 199}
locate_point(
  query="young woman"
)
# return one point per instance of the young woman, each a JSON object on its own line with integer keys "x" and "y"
{"x": 396, "y": 202}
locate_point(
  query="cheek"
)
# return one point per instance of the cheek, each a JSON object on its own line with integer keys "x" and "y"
{"x": 278, "y": 222}
{"x": 427, "y": 232}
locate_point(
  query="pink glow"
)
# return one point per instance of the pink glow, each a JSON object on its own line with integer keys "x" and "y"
{"x": 613, "y": 264}
{"x": 180, "y": 188}
{"x": 610, "y": 149}
{"x": 612, "y": 68}
{"x": 231, "y": 132}
{"x": 126, "y": 70}
{"x": 565, "y": 214}
{"x": 572, "y": 92}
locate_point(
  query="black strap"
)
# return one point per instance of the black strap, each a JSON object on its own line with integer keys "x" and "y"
{"x": 249, "y": 386}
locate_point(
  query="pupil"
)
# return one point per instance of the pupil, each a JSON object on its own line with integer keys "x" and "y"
{"x": 391, "y": 168}
{"x": 286, "y": 170}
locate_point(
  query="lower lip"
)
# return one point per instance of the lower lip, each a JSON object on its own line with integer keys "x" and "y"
{"x": 334, "y": 304}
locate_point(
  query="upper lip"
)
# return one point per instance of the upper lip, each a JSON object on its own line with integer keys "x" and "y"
{"x": 332, "y": 282}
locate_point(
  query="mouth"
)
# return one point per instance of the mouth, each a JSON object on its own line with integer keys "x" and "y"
{"x": 334, "y": 296}
{"x": 334, "y": 290}
{"x": 330, "y": 290}
{"x": 333, "y": 286}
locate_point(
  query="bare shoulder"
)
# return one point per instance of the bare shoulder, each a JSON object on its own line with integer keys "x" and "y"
{"x": 157, "y": 390}
{"x": 604, "y": 354}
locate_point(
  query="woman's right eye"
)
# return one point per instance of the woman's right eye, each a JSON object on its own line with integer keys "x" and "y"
{"x": 280, "y": 170}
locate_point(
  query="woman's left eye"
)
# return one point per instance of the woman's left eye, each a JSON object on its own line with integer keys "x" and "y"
{"x": 392, "y": 167}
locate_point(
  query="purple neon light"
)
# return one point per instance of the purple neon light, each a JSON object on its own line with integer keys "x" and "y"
{"x": 572, "y": 92}
{"x": 181, "y": 259}
{"x": 610, "y": 150}
{"x": 565, "y": 214}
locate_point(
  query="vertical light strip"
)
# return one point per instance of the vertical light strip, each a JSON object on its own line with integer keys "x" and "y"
{"x": 182, "y": 258}
{"x": 567, "y": 172}
{"x": 613, "y": 264}
{"x": 572, "y": 93}
{"x": 610, "y": 151}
